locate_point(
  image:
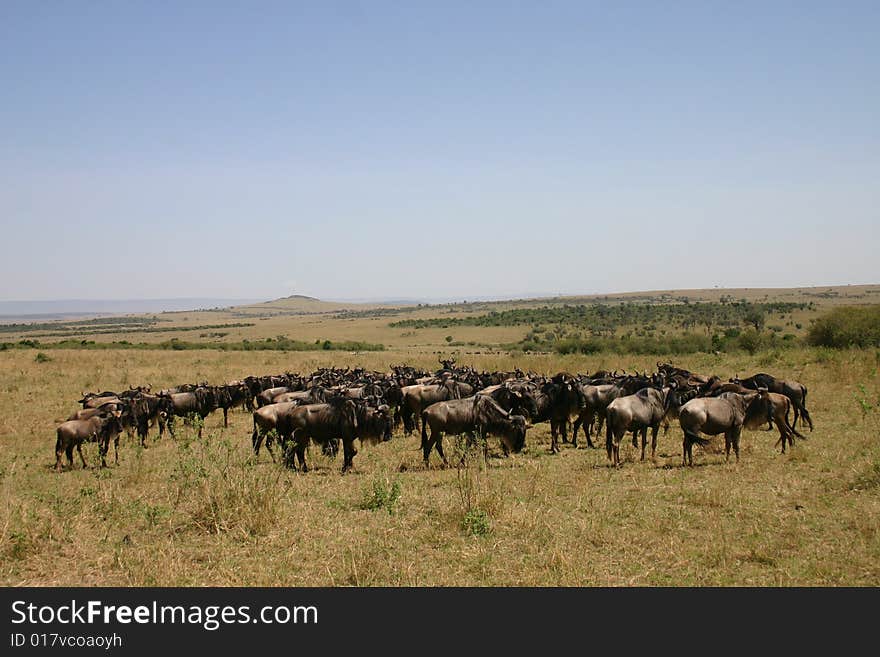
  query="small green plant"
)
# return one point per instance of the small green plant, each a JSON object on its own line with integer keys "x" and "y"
{"x": 863, "y": 399}
{"x": 476, "y": 522}
{"x": 383, "y": 494}
{"x": 41, "y": 358}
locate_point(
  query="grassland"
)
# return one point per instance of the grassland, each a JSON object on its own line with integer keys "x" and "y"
{"x": 206, "y": 512}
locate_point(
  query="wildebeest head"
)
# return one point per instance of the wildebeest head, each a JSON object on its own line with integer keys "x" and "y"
{"x": 759, "y": 410}
{"x": 387, "y": 424}
{"x": 516, "y": 439}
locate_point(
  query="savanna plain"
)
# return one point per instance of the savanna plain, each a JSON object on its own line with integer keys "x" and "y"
{"x": 205, "y": 511}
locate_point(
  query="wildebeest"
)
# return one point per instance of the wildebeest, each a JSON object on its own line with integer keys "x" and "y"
{"x": 232, "y": 395}
{"x": 471, "y": 415}
{"x": 779, "y": 409}
{"x": 511, "y": 397}
{"x": 637, "y": 413}
{"x": 373, "y": 424}
{"x": 99, "y": 427}
{"x": 201, "y": 401}
{"x": 268, "y": 396}
{"x": 795, "y": 391}
{"x": 266, "y": 420}
{"x": 95, "y": 399}
{"x": 556, "y": 401}
{"x": 312, "y": 395}
{"x": 336, "y": 419}
{"x": 727, "y": 414}
{"x": 86, "y": 413}
{"x": 596, "y": 400}
{"x": 416, "y": 398}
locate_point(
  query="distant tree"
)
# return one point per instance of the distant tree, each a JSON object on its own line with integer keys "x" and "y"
{"x": 754, "y": 317}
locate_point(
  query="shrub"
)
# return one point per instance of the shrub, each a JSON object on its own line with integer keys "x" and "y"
{"x": 383, "y": 494}
{"x": 847, "y": 327}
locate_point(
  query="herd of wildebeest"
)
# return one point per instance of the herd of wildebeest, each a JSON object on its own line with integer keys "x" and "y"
{"x": 332, "y": 405}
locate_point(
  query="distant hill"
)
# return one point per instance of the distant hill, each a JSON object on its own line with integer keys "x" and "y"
{"x": 295, "y": 304}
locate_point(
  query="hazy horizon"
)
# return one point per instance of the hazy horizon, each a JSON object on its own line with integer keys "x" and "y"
{"x": 455, "y": 150}
{"x": 44, "y": 308}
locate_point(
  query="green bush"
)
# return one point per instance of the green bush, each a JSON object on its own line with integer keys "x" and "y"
{"x": 383, "y": 495}
{"x": 847, "y": 327}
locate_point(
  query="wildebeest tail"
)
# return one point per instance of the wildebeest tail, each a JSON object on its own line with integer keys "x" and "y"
{"x": 609, "y": 435}
{"x": 424, "y": 429}
{"x": 695, "y": 438}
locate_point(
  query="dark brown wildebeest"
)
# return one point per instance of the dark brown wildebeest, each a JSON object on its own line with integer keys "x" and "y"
{"x": 637, "y": 413}
{"x": 374, "y": 424}
{"x": 147, "y": 410}
{"x": 479, "y": 414}
{"x": 682, "y": 377}
{"x": 513, "y": 397}
{"x": 727, "y": 414}
{"x": 416, "y": 398}
{"x": 202, "y": 402}
{"x": 795, "y": 391}
{"x": 232, "y": 395}
{"x": 555, "y": 401}
{"x": 322, "y": 423}
{"x": 100, "y": 427}
{"x": 95, "y": 399}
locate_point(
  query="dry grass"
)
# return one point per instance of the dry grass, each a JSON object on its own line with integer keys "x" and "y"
{"x": 206, "y": 512}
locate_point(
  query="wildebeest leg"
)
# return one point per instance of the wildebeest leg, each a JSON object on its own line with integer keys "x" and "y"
{"x": 103, "y": 448}
{"x": 687, "y": 453}
{"x": 574, "y": 430}
{"x": 484, "y": 439}
{"x": 82, "y": 458}
{"x": 736, "y": 436}
{"x": 348, "y": 453}
{"x": 644, "y": 441}
{"x": 59, "y": 450}
{"x": 554, "y": 449}
{"x": 438, "y": 445}
{"x": 791, "y": 430}
{"x": 300, "y": 451}
{"x": 116, "y": 449}
{"x": 428, "y": 443}
{"x": 636, "y": 439}
{"x": 225, "y": 417}
{"x": 256, "y": 440}
{"x": 300, "y": 454}
{"x": 69, "y": 455}
{"x": 806, "y": 415}
{"x": 269, "y": 448}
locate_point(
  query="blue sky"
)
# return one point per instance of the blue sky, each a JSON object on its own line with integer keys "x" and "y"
{"x": 424, "y": 150}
